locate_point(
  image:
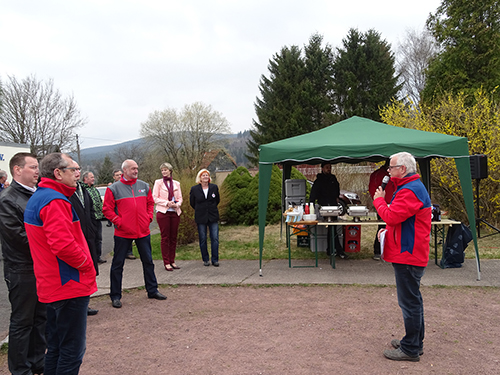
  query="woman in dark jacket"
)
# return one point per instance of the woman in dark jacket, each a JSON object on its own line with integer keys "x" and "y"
{"x": 204, "y": 198}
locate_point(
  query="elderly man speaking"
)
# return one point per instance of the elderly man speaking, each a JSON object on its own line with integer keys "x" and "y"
{"x": 129, "y": 204}
{"x": 406, "y": 246}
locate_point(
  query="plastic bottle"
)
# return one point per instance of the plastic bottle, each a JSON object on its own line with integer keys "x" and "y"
{"x": 311, "y": 208}
{"x": 306, "y": 209}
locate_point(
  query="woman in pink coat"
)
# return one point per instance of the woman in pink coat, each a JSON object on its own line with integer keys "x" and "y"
{"x": 168, "y": 198}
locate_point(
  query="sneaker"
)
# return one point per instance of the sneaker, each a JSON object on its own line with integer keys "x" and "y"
{"x": 396, "y": 344}
{"x": 399, "y": 355}
{"x": 206, "y": 264}
{"x": 376, "y": 257}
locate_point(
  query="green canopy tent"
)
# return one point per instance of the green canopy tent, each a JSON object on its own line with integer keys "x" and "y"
{"x": 358, "y": 139}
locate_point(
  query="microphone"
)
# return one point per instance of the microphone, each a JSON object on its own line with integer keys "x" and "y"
{"x": 385, "y": 181}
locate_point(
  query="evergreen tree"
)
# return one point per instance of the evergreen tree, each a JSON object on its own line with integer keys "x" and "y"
{"x": 364, "y": 75}
{"x": 295, "y": 99}
{"x": 281, "y": 109}
{"x": 104, "y": 173}
{"x": 319, "y": 82}
{"x": 469, "y": 33}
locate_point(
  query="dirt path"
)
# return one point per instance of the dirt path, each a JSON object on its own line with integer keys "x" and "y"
{"x": 289, "y": 330}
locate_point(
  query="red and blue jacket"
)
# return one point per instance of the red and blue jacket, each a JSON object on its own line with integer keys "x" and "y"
{"x": 61, "y": 257}
{"x": 408, "y": 220}
{"x": 129, "y": 205}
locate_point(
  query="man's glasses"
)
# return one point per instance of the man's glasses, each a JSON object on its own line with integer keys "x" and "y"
{"x": 393, "y": 166}
{"x": 73, "y": 169}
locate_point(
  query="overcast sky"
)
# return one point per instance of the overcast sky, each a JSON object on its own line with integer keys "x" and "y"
{"x": 121, "y": 60}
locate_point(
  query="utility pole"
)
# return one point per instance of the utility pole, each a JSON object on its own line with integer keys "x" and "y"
{"x": 78, "y": 150}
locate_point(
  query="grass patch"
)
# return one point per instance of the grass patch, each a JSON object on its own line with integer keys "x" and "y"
{"x": 242, "y": 242}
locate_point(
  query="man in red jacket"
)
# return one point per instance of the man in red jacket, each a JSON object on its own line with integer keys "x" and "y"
{"x": 64, "y": 271}
{"x": 406, "y": 246}
{"x": 129, "y": 204}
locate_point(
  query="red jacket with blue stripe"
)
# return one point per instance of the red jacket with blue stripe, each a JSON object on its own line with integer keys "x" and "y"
{"x": 129, "y": 205}
{"x": 408, "y": 220}
{"x": 61, "y": 257}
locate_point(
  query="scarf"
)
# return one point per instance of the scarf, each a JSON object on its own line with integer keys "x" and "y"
{"x": 170, "y": 187}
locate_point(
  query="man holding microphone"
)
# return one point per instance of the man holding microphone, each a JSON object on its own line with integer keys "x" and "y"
{"x": 406, "y": 246}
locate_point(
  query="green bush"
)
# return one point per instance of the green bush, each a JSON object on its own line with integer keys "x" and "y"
{"x": 234, "y": 199}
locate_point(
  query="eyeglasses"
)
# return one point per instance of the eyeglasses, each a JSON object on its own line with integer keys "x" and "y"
{"x": 73, "y": 169}
{"x": 393, "y": 166}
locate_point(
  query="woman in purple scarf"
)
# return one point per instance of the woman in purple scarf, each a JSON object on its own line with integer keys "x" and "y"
{"x": 168, "y": 198}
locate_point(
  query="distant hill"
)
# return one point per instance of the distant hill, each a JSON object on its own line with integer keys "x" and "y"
{"x": 100, "y": 152}
{"x": 235, "y": 144}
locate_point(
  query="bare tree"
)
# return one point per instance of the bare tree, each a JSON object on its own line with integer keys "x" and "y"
{"x": 35, "y": 113}
{"x": 185, "y": 137}
{"x": 413, "y": 57}
{"x": 134, "y": 151}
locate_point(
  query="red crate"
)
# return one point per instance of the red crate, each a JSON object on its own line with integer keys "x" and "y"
{"x": 352, "y": 238}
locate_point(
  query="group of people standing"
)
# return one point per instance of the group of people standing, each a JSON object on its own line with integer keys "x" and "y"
{"x": 51, "y": 225}
{"x": 203, "y": 197}
{"x": 51, "y": 259}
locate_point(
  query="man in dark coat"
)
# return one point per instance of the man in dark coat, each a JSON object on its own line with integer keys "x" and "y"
{"x": 326, "y": 191}
{"x": 28, "y": 318}
{"x": 82, "y": 203}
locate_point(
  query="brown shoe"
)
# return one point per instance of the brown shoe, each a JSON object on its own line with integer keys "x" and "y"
{"x": 130, "y": 256}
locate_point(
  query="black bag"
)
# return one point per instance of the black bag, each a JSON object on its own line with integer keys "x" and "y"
{"x": 436, "y": 212}
{"x": 457, "y": 240}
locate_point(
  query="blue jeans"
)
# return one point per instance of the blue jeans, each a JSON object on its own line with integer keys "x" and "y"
{"x": 66, "y": 335}
{"x": 214, "y": 241}
{"x": 122, "y": 246}
{"x": 27, "y": 323}
{"x": 412, "y": 305}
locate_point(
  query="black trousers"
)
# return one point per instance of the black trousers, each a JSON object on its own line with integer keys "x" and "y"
{"x": 27, "y": 341}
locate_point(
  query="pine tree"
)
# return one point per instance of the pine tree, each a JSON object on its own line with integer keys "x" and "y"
{"x": 105, "y": 171}
{"x": 296, "y": 98}
{"x": 364, "y": 75}
{"x": 281, "y": 109}
{"x": 319, "y": 84}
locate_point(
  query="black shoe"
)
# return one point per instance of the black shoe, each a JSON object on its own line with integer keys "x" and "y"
{"x": 131, "y": 256}
{"x": 206, "y": 264}
{"x": 92, "y": 311}
{"x": 101, "y": 261}
{"x": 342, "y": 255}
{"x": 158, "y": 296}
{"x": 116, "y": 303}
{"x": 215, "y": 264}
